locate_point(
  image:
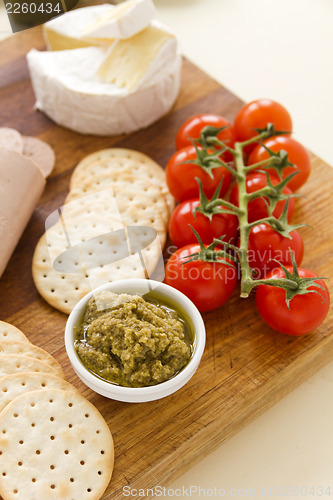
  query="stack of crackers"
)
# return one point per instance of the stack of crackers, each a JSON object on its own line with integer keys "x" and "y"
{"x": 54, "y": 443}
{"x": 90, "y": 241}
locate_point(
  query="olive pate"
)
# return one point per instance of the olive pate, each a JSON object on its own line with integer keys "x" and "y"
{"x": 131, "y": 341}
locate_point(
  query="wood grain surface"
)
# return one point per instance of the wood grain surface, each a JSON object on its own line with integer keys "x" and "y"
{"x": 246, "y": 367}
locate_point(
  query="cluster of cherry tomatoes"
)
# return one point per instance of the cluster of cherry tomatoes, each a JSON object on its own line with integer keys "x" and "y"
{"x": 211, "y": 284}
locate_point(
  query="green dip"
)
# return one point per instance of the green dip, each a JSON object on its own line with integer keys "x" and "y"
{"x": 131, "y": 341}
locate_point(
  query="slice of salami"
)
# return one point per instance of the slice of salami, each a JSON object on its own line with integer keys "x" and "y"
{"x": 40, "y": 152}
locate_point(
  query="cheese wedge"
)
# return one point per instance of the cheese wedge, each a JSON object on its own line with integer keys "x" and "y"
{"x": 64, "y": 32}
{"x": 69, "y": 91}
{"x": 123, "y": 21}
{"x": 21, "y": 185}
{"x": 98, "y": 25}
{"x": 133, "y": 62}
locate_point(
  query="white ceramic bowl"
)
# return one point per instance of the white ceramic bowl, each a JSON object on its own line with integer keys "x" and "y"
{"x": 138, "y": 394}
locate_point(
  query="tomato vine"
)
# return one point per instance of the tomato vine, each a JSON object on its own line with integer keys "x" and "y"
{"x": 209, "y": 149}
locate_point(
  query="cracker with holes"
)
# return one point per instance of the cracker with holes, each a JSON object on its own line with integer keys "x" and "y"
{"x": 122, "y": 161}
{"x": 120, "y": 157}
{"x": 54, "y": 445}
{"x": 130, "y": 186}
{"x": 16, "y": 384}
{"x": 15, "y": 363}
{"x": 127, "y": 206}
{"x": 10, "y": 332}
{"x": 78, "y": 254}
{"x": 28, "y": 349}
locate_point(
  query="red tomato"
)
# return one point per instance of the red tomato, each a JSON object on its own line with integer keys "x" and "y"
{"x": 306, "y": 312}
{"x": 297, "y": 155}
{"x": 182, "y": 217}
{"x": 191, "y": 129}
{"x": 265, "y": 244}
{"x": 181, "y": 176}
{"x": 257, "y": 208}
{"x": 257, "y": 114}
{"x": 208, "y": 284}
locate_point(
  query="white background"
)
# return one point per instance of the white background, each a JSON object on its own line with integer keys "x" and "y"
{"x": 282, "y": 49}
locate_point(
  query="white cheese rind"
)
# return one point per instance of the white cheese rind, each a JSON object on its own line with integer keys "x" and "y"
{"x": 68, "y": 91}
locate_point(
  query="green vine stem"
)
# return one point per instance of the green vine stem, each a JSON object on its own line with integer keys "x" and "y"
{"x": 247, "y": 282}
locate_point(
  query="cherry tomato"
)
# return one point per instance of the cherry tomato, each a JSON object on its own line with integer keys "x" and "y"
{"x": 265, "y": 244}
{"x": 257, "y": 208}
{"x": 208, "y": 284}
{"x": 257, "y": 114}
{"x": 182, "y": 217}
{"x": 181, "y": 176}
{"x": 191, "y": 129}
{"x": 297, "y": 155}
{"x": 306, "y": 311}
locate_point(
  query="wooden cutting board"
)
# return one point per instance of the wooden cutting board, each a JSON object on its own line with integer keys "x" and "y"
{"x": 246, "y": 367}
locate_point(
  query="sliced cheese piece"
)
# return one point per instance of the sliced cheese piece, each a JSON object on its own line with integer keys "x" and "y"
{"x": 64, "y": 32}
{"x": 21, "y": 185}
{"x": 56, "y": 41}
{"x": 124, "y": 21}
{"x": 69, "y": 92}
{"x": 98, "y": 25}
{"x": 133, "y": 62}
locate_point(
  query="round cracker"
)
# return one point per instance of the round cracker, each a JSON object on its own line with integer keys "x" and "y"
{"x": 63, "y": 290}
{"x": 40, "y": 152}
{"x": 11, "y": 139}
{"x": 117, "y": 157}
{"x": 28, "y": 349}
{"x": 122, "y": 160}
{"x": 129, "y": 186}
{"x": 16, "y": 384}
{"x": 15, "y": 363}
{"x": 10, "y": 332}
{"x": 55, "y": 444}
{"x": 127, "y": 206}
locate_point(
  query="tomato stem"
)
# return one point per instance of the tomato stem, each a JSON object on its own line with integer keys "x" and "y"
{"x": 244, "y": 226}
{"x": 281, "y": 283}
{"x": 263, "y": 135}
{"x": 261, "y": 164}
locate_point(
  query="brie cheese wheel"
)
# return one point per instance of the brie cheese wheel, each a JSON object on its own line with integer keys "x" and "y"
{"x": 98, "y": 25}
{"x": 69, "y": 91}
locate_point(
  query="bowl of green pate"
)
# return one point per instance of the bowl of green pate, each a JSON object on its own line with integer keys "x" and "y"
{"x": 135, "y": 340}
